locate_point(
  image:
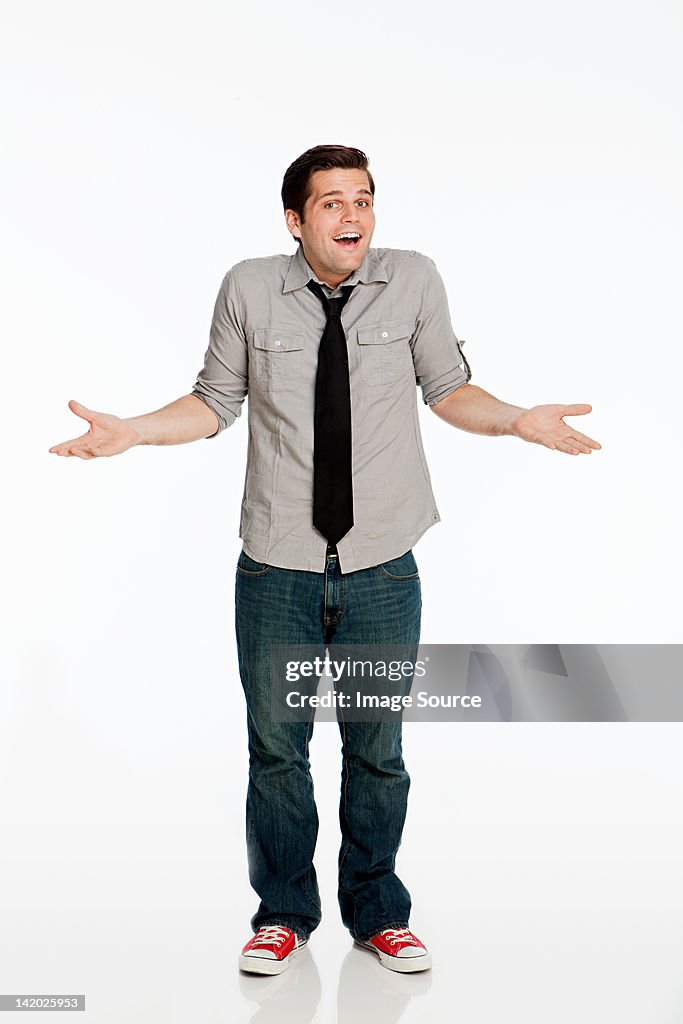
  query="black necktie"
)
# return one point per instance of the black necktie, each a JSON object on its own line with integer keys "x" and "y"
{"x": 332, "y": 482}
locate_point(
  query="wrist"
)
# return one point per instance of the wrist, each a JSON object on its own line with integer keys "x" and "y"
{"x": 134, "y": 424}
{"x": 515, "y": 419}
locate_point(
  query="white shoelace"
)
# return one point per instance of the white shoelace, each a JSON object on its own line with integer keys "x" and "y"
{"x": 270, "y": 935}
{"x": 394, "y": 935}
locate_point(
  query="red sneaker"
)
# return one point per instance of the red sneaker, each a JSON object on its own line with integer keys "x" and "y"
{"x": 399, "y": 950}
{"x": 270, "y": 950}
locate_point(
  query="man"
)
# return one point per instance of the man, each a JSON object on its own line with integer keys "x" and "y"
{"x": 329, "y": 344}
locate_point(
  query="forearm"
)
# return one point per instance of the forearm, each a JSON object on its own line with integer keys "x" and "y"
{"x": 186, "y": 419}
{"x": 473, "y": 409}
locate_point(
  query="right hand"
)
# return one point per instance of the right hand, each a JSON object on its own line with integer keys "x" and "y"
{"x": 108, "y": 435}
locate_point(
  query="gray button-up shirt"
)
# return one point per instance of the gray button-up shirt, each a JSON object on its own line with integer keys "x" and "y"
{"x": 264, "y": 340}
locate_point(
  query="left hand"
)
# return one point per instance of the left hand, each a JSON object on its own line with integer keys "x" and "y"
{"x": 543, "y": 424}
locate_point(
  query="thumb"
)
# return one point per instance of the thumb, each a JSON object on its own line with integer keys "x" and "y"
{"x": 82, "y": 410}
{"x": 575, "y": 410}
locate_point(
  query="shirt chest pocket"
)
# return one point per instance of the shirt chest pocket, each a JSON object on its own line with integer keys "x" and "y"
{"x": 385, "y": 356}
{"x": 277, "y": 358}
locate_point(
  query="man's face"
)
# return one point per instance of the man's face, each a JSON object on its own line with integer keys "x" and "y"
{"x": 340, "y": 203}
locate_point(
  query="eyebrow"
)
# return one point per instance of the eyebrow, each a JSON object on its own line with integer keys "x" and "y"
{"x": 339, "y": 192}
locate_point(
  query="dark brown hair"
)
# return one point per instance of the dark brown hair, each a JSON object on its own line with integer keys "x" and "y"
{"x": 296, "y": 184}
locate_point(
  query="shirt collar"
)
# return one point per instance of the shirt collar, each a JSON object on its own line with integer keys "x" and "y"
{"x": 299, "y": 273}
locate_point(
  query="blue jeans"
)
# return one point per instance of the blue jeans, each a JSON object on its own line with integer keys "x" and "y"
{"x": 381, "y": 604}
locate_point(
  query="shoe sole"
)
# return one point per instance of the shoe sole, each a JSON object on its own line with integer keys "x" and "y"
{"x": 264, "y": 965}
{"x": 400, "y": 964}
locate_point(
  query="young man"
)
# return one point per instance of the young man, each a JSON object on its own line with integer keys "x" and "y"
{"x": 329, "y": 344}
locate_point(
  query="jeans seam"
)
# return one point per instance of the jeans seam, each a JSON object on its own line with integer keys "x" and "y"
{"x": 309, "y": 895}
{"x": 345, "y": 792}
{"x": 399, "y": 579}
{"x": 252, "y": 572}
{"x": 333, "y": 620}
{"x": 347, "y": 768}
{"x": 394, "y": 576}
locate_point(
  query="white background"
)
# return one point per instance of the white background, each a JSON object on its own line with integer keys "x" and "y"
{"x": 533, "y": 150}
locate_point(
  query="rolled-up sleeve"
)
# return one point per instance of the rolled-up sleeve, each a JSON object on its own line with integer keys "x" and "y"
{"x": 223, "y": 380}
{"x": 440, "y": 366}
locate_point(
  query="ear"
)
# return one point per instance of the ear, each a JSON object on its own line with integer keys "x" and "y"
{"x": 292, "y": 220}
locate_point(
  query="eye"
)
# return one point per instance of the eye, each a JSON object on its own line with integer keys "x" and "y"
{"x": 330, "y": 203}
{"x": 363, "y": 202}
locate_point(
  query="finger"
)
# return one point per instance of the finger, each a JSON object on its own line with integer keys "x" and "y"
{"x": 575, "y": 442}
{"x": 81, "y": 452}
{"x": 63, "y": 448}
{"x": 584, "y": 439}
{"x": 564, "y": 446}
{"x": 73, "y": 448}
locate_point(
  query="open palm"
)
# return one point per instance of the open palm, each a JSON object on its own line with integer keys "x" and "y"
{"x": 107, "y": 435}
{"x": 544, "y": 424}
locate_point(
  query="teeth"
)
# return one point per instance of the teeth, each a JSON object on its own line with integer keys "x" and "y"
{"x": 348, "y": 235}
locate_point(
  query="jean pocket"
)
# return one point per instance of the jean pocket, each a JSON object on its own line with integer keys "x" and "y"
{"x": 246, "y": 566}
{"x": 402, "y": 568}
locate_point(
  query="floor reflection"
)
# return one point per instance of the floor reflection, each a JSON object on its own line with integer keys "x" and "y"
{"x": 288, "y": 998}
{"x": 369, "y": 992}
{"x": 366, "y": 991}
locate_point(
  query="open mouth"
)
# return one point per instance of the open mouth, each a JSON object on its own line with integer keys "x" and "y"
{"x": 348, "y": 239}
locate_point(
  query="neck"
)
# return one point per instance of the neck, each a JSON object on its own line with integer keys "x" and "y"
{"x": 333, "y": 281}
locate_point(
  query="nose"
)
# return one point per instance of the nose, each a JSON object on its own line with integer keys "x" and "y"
{"x": 350, "y": 215}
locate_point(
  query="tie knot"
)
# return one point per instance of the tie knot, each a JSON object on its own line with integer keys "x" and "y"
{"x": 333, "y": 307}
